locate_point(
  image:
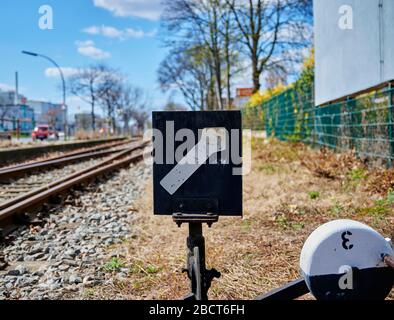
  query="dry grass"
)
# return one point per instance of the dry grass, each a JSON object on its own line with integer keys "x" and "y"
{"x": 285, "y": 199}
{"x": 88, "y": 135}
{"x": 5, "y": 143}
{"x": 14, "y": 144}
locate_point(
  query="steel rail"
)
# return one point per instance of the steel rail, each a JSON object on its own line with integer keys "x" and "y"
{"x": 67, "y": 155}
{"x": 39, "y": 196}
{"x": 15, "y": 172}
{"x": 34, "y": 192}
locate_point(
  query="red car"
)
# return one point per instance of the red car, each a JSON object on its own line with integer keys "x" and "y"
{"x": 43, "y": 132}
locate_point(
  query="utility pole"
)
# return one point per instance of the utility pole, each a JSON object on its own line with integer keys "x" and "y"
{"x": 64, "y": 106}
{"x": 16, "y": 98}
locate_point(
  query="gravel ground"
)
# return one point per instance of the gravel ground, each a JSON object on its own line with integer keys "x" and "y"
{"x": 72, "y": 252}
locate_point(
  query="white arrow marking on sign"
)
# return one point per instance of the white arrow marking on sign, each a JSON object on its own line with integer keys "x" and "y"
{"x": 195, "y": 158}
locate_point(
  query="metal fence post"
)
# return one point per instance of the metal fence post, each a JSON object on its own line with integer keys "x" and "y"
{"x": 351, "y": 122}
{"x": 391, "y": 123}
{"x": 18, "y": 129}
{"x": 14, "y": 126}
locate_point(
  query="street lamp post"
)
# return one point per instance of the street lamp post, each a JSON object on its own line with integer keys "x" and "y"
{"x": 63, "y": 84}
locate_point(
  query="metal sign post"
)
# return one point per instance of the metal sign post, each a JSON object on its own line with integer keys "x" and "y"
{"x": 197, "y": 178}
{"x": 200, "y": 278}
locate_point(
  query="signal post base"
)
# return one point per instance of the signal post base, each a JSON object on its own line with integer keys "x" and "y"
{"x": 199, "y": 276}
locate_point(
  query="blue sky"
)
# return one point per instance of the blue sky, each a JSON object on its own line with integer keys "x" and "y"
{"x": 120, "y": 33}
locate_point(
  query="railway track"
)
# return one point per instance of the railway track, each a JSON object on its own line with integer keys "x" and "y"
{"x": 21, "y": 198}
{"x": 14, "y": 171}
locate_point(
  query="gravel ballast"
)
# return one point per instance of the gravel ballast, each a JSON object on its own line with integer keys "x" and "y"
{"x": 16, "y": 187}
{"x": 70, "y": 253}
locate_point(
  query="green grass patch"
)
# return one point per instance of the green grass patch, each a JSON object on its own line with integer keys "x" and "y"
{"x": 267, "y": 169}
{"x": 336, "y": 209}
{"x": 282, "y": 221}
{"x": 356, "y": 175}
{"x": 286, "y": 223}
{"x": 139, "y": 267}
{"x": 297, "y": 226}
{"x": 246, "y": 224}
{"x": 381, "y": 207}
{"x": 114, "y": 264}
{"x": 152, "y": 269}
{"x": 313, "y": 195}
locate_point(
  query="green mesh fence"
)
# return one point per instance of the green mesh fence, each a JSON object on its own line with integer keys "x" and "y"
{"x": 364, "y": 124}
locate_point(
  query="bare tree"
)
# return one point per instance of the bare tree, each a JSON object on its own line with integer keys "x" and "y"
{"x": 172, "y": 106}
{"x": 227, "y": 53}
{"x": 201, "y": 23}
{"x": 82, "y": 122}
{"x": 231, "y": 48}
{"x": 86, "y": 84}
{"x": 140, "y": 117}
{"x": 275, "y": 77}
{"x": 132, "y": 106}
{"x": 109, "y": 95}
{"x": 51, "y": 117}
{"x": 271, "y": 30}
{"x": 188, "y": 70}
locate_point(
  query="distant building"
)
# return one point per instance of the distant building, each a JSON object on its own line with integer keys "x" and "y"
{"x": 242, "y": 97}
{"x": 14, "y": 117}
{"x": 8, "y": 101}
{"x": 9, "y": 98}
{"x": 29, "y": 112}
{"x": 49, "y": 113}
{"x": 14, "y": 112}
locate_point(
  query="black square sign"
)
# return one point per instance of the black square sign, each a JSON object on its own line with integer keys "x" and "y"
{"x": 197, "y": 162}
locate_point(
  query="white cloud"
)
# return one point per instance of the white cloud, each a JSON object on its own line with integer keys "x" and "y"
{"x": 147, "y": 9}
{"x": 87, "y": 48}
{"x": 6, "y": 87}
{"x": 92, "y": 30}
{"x": 94, "y": 53}
{"x": 54, "y": 72}
{"x": 111, "y": 32}
{"x": 86, "y": 43}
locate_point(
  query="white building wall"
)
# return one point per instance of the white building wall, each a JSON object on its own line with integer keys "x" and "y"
{"x": 354, "y": 46}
